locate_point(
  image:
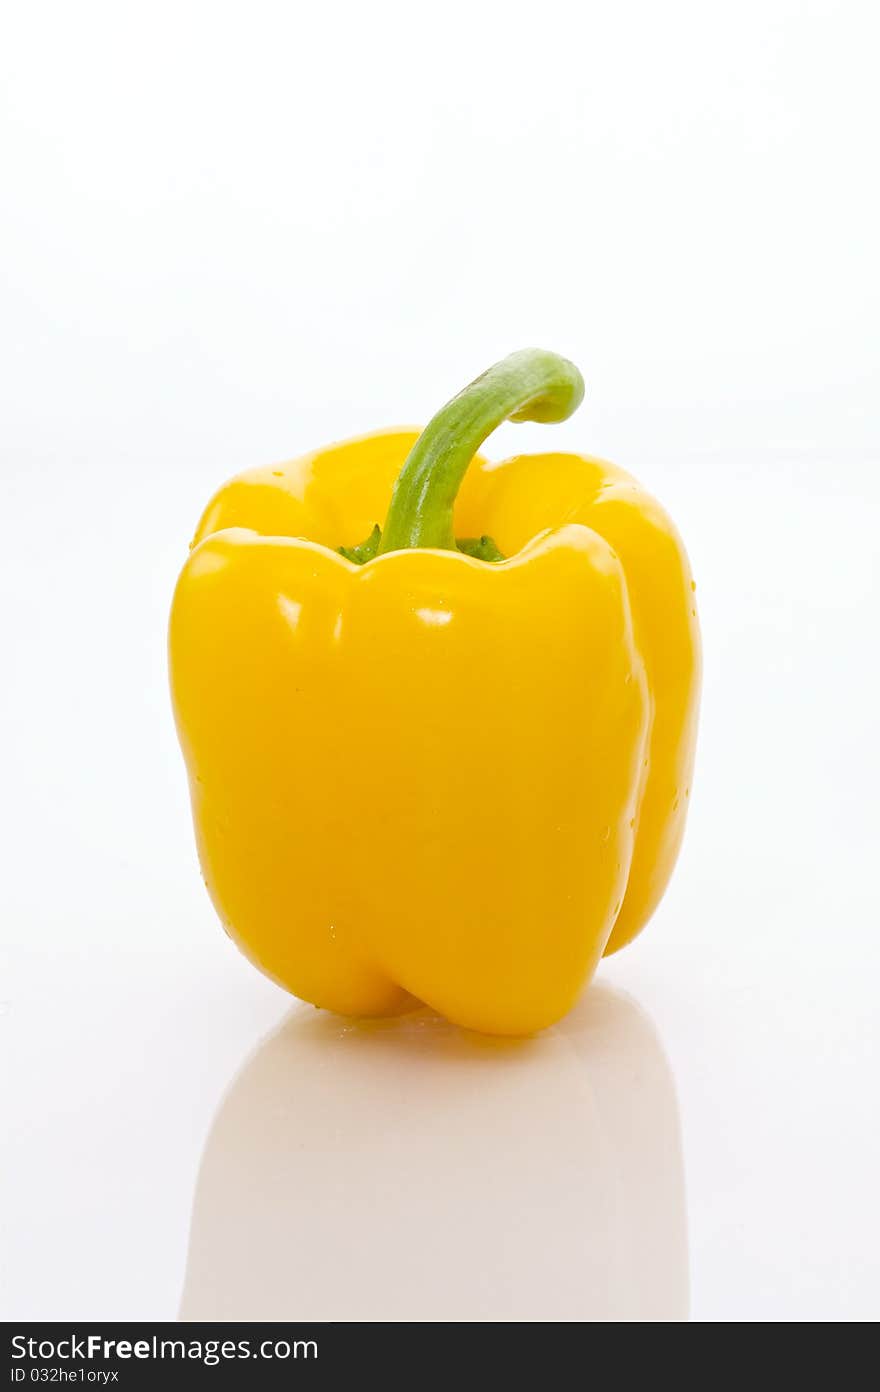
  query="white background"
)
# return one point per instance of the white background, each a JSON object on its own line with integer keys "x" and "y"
{"x": 230, "y": 233}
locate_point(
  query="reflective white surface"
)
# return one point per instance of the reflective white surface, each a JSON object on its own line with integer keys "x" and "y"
{"x": 427, "y": 1174}
{"x": 259, "y": 262}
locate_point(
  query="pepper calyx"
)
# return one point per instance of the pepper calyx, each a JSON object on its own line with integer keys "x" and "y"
{"x": 482, "y": 548}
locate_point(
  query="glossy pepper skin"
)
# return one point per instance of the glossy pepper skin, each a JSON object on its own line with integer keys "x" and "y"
{"x": 420, "y": 775}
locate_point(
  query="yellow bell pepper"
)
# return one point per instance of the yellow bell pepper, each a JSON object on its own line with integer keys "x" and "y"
{"x": 435, "y": 770}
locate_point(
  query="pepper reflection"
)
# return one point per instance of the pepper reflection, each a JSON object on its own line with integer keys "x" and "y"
{"x": 406, "y": 1170}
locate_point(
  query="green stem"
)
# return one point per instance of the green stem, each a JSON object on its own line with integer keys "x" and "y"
{"x": 528, "y": 385}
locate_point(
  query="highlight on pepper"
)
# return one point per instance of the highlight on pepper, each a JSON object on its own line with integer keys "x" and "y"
{"x": 438, "y": 713}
